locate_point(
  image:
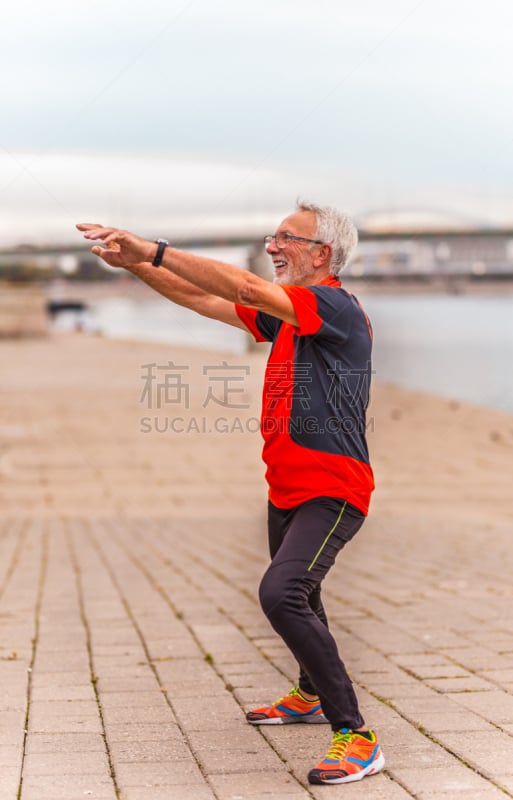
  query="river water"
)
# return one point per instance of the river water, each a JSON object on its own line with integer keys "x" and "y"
{"x": 457, "y": 346}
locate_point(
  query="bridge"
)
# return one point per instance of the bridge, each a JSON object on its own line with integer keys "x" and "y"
{"x": 383, "y": 252}
{"x": 250, "y": 238}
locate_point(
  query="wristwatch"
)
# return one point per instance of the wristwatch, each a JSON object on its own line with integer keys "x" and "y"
{"x": 162, "y": 244}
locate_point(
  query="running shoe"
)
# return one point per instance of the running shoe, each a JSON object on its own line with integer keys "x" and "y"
{"x": 350, "y": 758}
{"x": 291, "y": 708}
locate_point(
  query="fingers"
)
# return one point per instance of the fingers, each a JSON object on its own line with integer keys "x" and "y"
{"x": 113, "y": 247}
{"x": 98, "y": 232}
{"x": 113, "y": 238}
{"x": 93, "y": 230}
{"x": 110, "y": 236}
{"x": 110, "y": 257}
{"x": 124, "y": 247}
{"x": 86, "y": 226}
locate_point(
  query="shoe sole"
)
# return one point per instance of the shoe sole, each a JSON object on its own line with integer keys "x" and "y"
{"x": 318, "y": 720}
{"x": 372, "y": 769}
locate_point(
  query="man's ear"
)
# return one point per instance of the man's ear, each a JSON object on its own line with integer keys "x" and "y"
{"x": 324, "y": 256}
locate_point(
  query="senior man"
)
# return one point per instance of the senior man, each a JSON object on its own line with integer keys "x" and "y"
{"x": 315, "y": 396}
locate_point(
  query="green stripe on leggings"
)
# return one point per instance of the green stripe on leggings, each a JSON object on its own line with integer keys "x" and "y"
{"x": 321, "y": 548}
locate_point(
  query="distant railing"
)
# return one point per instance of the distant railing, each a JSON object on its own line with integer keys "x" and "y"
{"x": 388, "y": 252}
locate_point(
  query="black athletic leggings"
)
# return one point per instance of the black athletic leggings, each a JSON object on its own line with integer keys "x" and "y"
{"x": 304, "y": 542}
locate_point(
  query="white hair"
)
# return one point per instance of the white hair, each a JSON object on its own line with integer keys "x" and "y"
{"x": 335, "y": 228}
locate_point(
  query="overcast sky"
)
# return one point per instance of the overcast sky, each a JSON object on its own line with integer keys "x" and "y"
{"x": 171, "y": 109}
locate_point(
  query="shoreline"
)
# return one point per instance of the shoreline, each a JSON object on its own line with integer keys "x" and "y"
{"x": 87, "y": 383}
{"x": 259, "y": 350}
{"x": 262, "y": 349}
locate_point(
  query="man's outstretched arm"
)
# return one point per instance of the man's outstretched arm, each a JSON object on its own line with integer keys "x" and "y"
{"x": 214, "y": 278}
{"x": 177, "y": 289}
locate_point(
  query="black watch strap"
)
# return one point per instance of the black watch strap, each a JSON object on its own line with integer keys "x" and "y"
{"x": 162, "y": 244}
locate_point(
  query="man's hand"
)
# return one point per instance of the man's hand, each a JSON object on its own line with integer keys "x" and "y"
{"x": 121, "y": 248}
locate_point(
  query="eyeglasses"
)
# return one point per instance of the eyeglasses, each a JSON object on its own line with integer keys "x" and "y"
{"x": 281, "y": 239}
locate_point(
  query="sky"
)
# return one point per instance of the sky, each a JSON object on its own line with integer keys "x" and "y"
{"x": 175, "y": 114}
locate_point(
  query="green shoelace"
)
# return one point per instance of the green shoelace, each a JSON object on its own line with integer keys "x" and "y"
{"x": 339, "y": 745}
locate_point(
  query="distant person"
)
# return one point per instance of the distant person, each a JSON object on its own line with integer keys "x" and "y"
{"x": 316, "y": 391}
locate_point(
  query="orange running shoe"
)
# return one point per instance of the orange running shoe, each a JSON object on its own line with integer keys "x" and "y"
{"x": 291, "y": 708}
{"x": 350, "y": 758}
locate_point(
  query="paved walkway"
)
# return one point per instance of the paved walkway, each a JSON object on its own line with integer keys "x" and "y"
{"x": 131, "y": 638}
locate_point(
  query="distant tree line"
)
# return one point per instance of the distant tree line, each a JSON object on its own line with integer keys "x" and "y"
{"x": 88, "y": 269}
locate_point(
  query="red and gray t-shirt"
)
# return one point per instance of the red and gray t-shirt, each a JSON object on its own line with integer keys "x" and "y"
{"x": 315, "y": 396}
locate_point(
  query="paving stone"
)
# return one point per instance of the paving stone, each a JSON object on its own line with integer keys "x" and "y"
{"x": 425, "y": 755}
{"x": 474, "y": 658}
{"x": 469, "y": 683}
{"x": 196, "y": 715}
{"x": 456, "y": 780}
{"x": 495, "y": 706}
{"x": 62, "y": 678}
{"x": 69, "y": 723}
{"x": 92, "y": 762}
{"x": 489, "y": 752}
{"x": 507, "y": 727}
{"x": 179, "y": 647}
{"x": 409, "y": 689}
{"x": 152, "y": 699}
{"x": 144, "y": 732}
{"x": 429, "y": 702}
{"x": 101, "y": 794}
{"x": 180, "y": 792}
{"x": 10, "y": 736}
{"x": 500, "y": 676}
{"x": 158, "y": 750}
{"x": 63, "y": 693}
{"x": 159, "y": 774}
{"x": 144, "y": 683}
{"x": 57, "y": 662}
{"x": 438, "y": 722}
{"x": 505, "y": 780}
{"x": 376, "y": 787}
{"x": 439, "y": 672}
{"x": 208, "y": 689}
{"x": 10, "y": 781}
{"x": 487, "y": 793}
{"x": 418, "y": 661}
{"x": 237, "y": 760}
{"x": 258, "y": 785}
{"x": 65, "y": 787}
{"x": 126, "y": 714}
{"x": 46, "y": 709}
{"x": 64, "y": 743}
{"x": 10, "y": 756}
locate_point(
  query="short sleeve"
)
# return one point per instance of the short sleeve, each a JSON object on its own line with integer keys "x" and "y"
{"x": 322, "y": 310}
{"x": 264, "y": 327}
